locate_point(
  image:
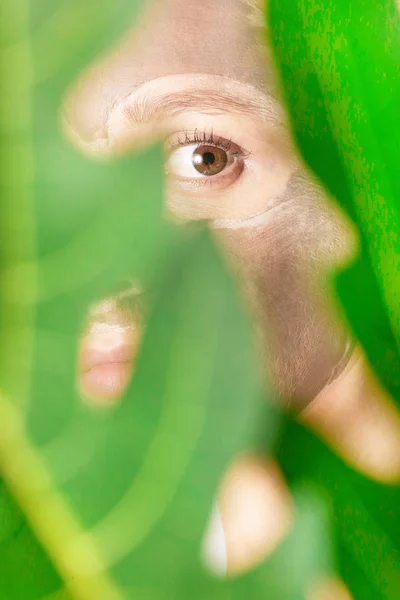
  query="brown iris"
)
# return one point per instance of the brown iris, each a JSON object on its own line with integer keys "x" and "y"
{"x": 209, "y": 160}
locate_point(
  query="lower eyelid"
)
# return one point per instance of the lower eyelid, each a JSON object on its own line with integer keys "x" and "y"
{"x": 215, "y": 183}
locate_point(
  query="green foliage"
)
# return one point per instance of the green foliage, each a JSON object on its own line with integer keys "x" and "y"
{"x": 113, "y": 504}
{"x": 365, "y": 514}
{"x": 339, "y": 62}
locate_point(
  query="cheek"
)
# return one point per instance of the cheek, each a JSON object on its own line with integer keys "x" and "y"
{"x": 255, "y": 191}
{"x": 282, "y": 267}
{"x": 259, "y": 186}
{"x": 312, "y": 234}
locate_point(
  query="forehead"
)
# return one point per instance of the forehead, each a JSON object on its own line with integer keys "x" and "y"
{"x": 175, "y": 37}
{"x": 199, "y": 36}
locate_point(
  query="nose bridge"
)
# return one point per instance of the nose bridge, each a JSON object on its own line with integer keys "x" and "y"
{"x": 170, "y": 37}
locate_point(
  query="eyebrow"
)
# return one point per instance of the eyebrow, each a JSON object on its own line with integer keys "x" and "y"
{"x": 151, "y": 108}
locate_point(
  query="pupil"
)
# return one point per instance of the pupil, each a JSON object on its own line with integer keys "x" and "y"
{"x": 209, "y": 161}
{"x": 208, "y": 158}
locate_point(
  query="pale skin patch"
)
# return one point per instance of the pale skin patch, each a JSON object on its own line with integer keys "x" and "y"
{"x": 329, "y": 588}
{"x": 109, "y": 348}
{"x": 356, "y": 418}
{"x": 256, "y": 512}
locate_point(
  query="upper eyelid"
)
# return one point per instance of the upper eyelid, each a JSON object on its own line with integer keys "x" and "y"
{"x": 197, "y": 137}
{"x": 150, "y": 110}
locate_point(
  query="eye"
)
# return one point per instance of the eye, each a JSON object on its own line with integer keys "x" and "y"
{"x": 198, "y": 161}
{"x": 208, "y": 158}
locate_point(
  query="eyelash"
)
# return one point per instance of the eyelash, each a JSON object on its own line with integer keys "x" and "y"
{"x": 208, "y": 139}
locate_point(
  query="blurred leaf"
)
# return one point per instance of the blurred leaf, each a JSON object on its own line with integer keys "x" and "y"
{"x": 25, "y": 570}
{"x": 340, "y": 66}
{"x": 365, "y": 514}
{"x": 339, "y": 62}
{"x": 304, "y": 558}
{"x": 65, "y": 240}
{"x": 122, "y": 491}
{"x": 109, "y": 505}
{"x": 119, "y": 499}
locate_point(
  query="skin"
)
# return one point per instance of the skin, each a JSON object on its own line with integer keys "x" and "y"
{"x": 279, "y": 231}
{"x": 200, "y": 70}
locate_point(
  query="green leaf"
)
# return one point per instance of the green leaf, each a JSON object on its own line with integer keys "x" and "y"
{"x": 63, "y": 244}
{"x": 365, "y": 514}
{"x": 104, "y": 493}
{"x": 110, "y": 504}
{"x": 25, "y": 570}
{"x": 111, "y": 516}
{"x": 340, "y": 62}
{"x": 302, "y": 560}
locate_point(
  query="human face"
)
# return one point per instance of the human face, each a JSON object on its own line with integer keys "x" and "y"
{"x": 199, "y": 76}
